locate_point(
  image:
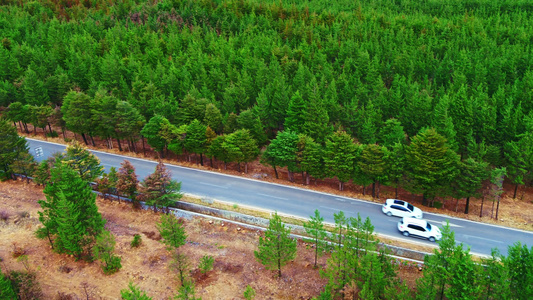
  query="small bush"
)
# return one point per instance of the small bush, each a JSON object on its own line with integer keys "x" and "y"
{"x": 206, "y": 264}
{"x": 437, "y": 205}
{"x": 25, "y": 283}
{"x": 63, "y": 296}
{"x": 17, "y": 251}
{"x": 52, "y": 134}
{"x": 112, "y": 266}
{"x": 249, "y": 293}
{"x": 64, "y": 269}
{"x": 136, "y": 241}
{"x": 23, "y": 214}
{"x": 4, "y": 215}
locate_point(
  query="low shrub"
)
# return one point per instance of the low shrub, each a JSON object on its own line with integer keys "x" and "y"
{"x": 136, "y": 241}
{"x": 206, "y": 264}
{"x": 52, "y": 134}
{"x": 112, "y": 265}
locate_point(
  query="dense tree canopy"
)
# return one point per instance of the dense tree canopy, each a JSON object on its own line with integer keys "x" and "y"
{"x": 461, "y": 67}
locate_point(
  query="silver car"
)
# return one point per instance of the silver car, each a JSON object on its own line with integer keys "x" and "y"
{"x": 400, "y": 208}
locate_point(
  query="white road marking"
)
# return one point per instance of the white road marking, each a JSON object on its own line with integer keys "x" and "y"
{"x": 443, "y": 223}
{"x": 214, "y": 185}
{"x": 340, "y": 199}
{"x": 480, "y": 238}
{"x": 330, "y": 208}
{"x": 270, "y": 196}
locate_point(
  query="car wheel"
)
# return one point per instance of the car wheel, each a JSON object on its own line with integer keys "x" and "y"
{"x": 431, "y": 239}
{"x": 389, "y": 213}
{"x": 405, "y": 233}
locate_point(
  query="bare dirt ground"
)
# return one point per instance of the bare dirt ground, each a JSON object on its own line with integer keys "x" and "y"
{"x": 148, "y": 266}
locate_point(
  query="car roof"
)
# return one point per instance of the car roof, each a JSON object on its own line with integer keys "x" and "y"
{"x": 396, "y": 201}
{"x": 415, "y": 221}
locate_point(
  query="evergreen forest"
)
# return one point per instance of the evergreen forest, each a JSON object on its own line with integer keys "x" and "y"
{"x": 432, "y": 96}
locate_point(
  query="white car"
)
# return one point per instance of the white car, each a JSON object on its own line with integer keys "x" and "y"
{"x": 400, "y": 208}
{"x": 419, "y": 228}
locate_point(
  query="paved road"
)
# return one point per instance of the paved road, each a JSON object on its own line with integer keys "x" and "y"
{"x": 302, "y": 203}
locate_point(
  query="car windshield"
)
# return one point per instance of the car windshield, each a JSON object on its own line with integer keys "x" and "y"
{"x": 410, "y": 207}
{"x": 429, "y": 227}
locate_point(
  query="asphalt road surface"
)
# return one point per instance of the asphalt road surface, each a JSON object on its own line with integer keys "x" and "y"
{"x": 300, "y": 202}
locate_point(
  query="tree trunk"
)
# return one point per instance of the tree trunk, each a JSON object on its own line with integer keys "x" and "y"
{"x": 291, "y": 177}
{"x": 84, "y": 139}
{"x": 50, "y": 127}
{"x": 481, "y": 210}
{"x": 303, "y": 178}
{"x": 515, "y": 190}
{"x": 378, "y": 189}
{"x": 307, "y": 179}
{"x": 34, "y": 130}
{"x": 211, "y": 161}
{"x": 456, "y": 203}
{"x": 276, "y": 172}
{"x": 246, "y": 168}
{"x": 497, "y": 207}
{"x": 467, "y": 205}
{"x": 341, "y": 185}
{"x": 364, "y": 190}
{"x": 492, "y": 211}
{"x": 119, "y": 145}
{"x": 239, "y": 167}
{"x": 202, "y": 159}
{"x": 92, "y": 140}
{"x": 21, "y": 128}
{"x": 424, "y": 200}
{"x": 225, "y": 165}
{"x": 374, "y": 189}
{"x": 63, "y": 132}
{"x": 26, "y": 127}
{"x": 144, "y": 149}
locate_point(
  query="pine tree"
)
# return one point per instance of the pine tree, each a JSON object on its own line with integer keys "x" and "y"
{"x": 196, "y": 139}
{"x": 77, "y": 113}
{"x": 494, "y": 279}
{"x": 103, "y": 250}
{"x": 339, "y": 156}
{"x": 470, "y": 179}
{"x": 151, "y": 131}
{"x": 241, "y": 148}
{"x": 431, "y": 164}
{"x": 373, "y": 165}
{"x": 277, "y": 248}
{"x": 519, "y": 263}
{"x": 295, "y": 113}
{"x": 315, "y": 229}
{"x": 310, "y": 158}
{"x": 127, "y": 181}
{"x": 133, "y": 293}
{"x": 392, "y": 133}
{"x": 282, "y": 152}
{"x": 34, "y": 91}
{"x": 42, "y": 173}
{"x": 6, "y": 288}
{"x": 11, "y": 146}
{"x": 213, "y": 117}
{"x": 70, "y": 209}
{"x": 217, "y": 150}
{"x": 25, "y": 165}
{"x": 80, "y": 159}
{"x": 129, "y": 123}
{"x": 172, "y": 231}
{"x": 159, "y": 190}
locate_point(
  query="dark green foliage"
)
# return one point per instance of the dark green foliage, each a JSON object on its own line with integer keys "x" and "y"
{"x": 241, "y": 147}
{"x": 282, "y": 151}
{"x": 70, "y": 216}
{"x": 196, "y": 139}
{"x": 152, "y": 132}
{"x": 103, "y": 250}
{"x": 339, "y": 156}
{"x": 187, "y": 291}
{"x": 431, "y": 164}
{"x": 276, "y": 248}
{"x": 11, "y": 146}
{"x": 159, "y": 190}
{"x": 6, "y": 288}
{"x": 337, "y": 56}
{"x": 519, "y": 264}
{"x": 133, "y": 293}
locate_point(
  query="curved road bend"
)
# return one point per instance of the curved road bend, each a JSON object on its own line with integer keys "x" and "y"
{"x": 299, "y": 202}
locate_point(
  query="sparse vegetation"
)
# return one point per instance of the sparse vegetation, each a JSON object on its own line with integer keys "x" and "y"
{"x": 137, "y": 241}
{"x": 206, "y": 264}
